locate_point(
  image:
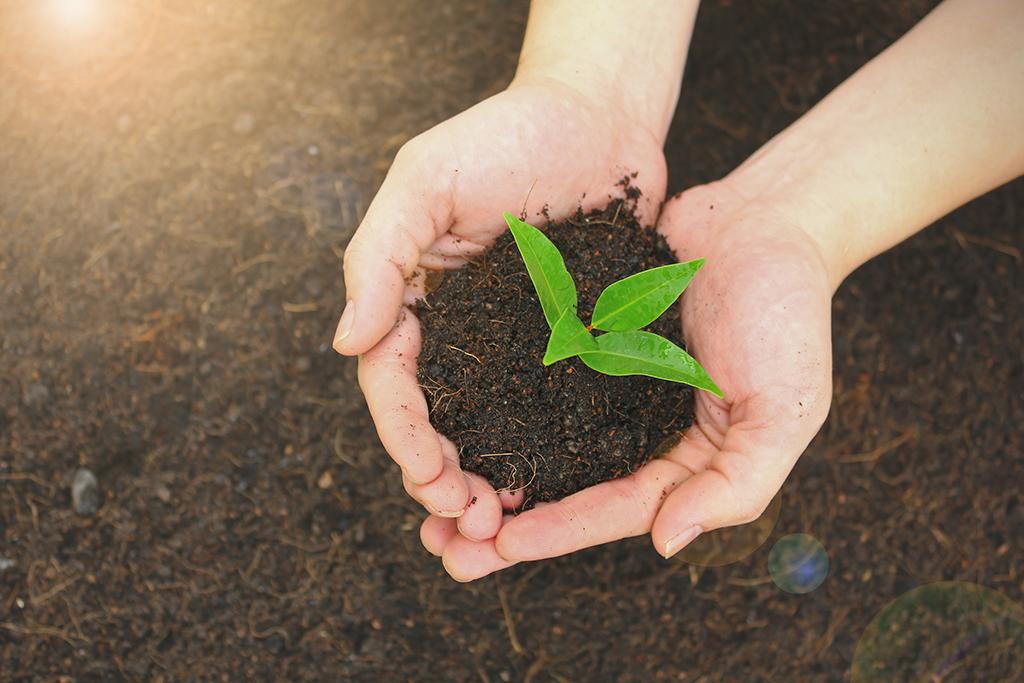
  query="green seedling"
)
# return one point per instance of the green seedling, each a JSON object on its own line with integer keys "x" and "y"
{"x": 622, "y": 309}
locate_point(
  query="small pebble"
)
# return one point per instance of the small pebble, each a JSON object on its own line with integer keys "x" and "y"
{"x": 303, "y": 364}
{"x": 6, "y": 563}
{"x": 85, "y": 493}
{"x": 163, "y": 493}
{"x": 326, "y": 480}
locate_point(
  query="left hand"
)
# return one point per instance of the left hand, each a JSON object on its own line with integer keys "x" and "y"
{"x": 757, "y": 318}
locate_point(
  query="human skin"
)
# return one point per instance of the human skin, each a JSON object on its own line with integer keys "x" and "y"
{"x": 932, "y": 122}
{"x": 566, "y": 130}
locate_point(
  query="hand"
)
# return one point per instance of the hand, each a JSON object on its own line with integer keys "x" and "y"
{"x": 757, "y": 319}
{"x": 856, "y": 174}
{"x": 541, "y": 143}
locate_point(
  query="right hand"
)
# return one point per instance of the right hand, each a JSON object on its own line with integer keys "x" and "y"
{"x": 758, "y": 320}
{"x": 539, "y": 144}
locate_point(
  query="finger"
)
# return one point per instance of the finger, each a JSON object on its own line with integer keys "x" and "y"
{"x": 387, "y": 376}
{"x": 607, "y": 512}
{"x": 436, "y": 532}
{"x": 406, "y": 216}
{"x": 450, "y": 252}
{"x": 448, "y": 494}
{"x": 510, "y": 500}
{"x": 415, "y": 288}
{"x": 441, "y": 262}
{"x": 482, "y": 517}
{"x": 455, "y": 246}
{"x": 735, "y": 489}
{"x": 740, "y": 480}
{"x": 467, "y": 560}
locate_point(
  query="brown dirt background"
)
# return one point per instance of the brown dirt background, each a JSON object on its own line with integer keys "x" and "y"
{"x": 171, "y": 225}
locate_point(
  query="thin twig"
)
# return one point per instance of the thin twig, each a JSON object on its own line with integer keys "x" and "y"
{"x": 456, "y": 348}
{"x": 39, "y": 630}
{"x": 964, "y": 239}
{"x": 533, "y": 466}
{"x": 874, "y": 455}
{"x": 510, "y": 625}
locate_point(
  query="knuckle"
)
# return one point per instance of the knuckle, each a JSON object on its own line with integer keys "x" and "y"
{"x": 750, "y": 509}
{"x": 422, "y": 473}
{"x": 364, "y": 373}
{"x": 745, "y": 500}
{"x": 413, "y": 154}
{"x": 353, "y": 248}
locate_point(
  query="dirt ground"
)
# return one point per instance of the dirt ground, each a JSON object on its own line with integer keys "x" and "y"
{"x": 173, "y": 208}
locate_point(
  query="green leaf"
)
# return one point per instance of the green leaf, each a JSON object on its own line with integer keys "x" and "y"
{"x": 638, "y": 300}
{"x": 643, "y": 353}
{"x": 569, "y": 337}
{"x": 554, "y": 285}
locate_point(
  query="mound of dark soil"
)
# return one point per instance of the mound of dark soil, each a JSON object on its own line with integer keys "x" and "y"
{"x": 549, "y": 430}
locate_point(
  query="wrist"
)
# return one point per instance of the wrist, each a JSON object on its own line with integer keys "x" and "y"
{"x": 646, "y": 104}
{"x": 864, "y": 170}
{"x": 624, "y": 56}
{"x": 792, "y": 175}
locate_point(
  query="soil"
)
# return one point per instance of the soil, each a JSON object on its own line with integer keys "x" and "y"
{"x": 554, "y": 430}
{"x": 171, "y": 236}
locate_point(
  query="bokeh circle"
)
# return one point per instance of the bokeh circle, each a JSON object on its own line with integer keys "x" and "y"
{"x": 87, "y": 42}
{"x": 946, "y": 631}
{"x": 798, "y": 563}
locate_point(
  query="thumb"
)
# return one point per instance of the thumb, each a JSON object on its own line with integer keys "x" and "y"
{"x": 735, "y": 488}
{"x": 412, "y": 208}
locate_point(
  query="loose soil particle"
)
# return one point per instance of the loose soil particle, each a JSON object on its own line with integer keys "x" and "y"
{"x": 551, "y": 430}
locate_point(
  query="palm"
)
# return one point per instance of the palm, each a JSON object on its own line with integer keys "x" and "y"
{"x": 757, "y": 318}
{"x": 535, "y": 147}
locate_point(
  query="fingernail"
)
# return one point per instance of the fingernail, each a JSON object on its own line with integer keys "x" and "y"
{"x": 680, "y": 541}
{"x": 345, "y": 324}
{"x": 443, "y": 513}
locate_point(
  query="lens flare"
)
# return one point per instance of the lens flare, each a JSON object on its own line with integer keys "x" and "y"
{"x": 952, "y": 630}
{"x": 734, "y": 543}
{"x": 798, "y": 563}
{"x": 74, "y": 15}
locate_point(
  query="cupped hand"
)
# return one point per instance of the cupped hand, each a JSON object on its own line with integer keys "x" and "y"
{"x": 540, "y": 144}
{"x": 757, "y": 317}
